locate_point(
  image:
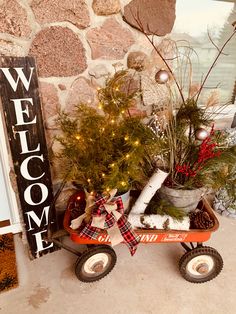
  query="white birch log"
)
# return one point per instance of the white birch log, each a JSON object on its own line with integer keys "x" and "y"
{"x": 158, "y": 222}
{"x": 148, "y": 192}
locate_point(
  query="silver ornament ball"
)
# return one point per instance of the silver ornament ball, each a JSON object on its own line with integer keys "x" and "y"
{"x": 162, "y": 76}
{"x": 201, "y": 134}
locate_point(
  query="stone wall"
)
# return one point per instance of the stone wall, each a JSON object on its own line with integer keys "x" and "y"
{"x": 77, "y": 43}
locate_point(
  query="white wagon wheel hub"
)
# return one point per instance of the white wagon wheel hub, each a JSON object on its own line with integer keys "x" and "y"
{"x": 200, "y": 265}
{"x": 96, "y": 263}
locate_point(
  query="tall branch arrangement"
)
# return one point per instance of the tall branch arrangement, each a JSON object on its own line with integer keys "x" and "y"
{"x": 187, "y": 155}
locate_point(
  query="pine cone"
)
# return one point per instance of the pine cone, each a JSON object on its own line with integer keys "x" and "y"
{"x": 201, "y": 220}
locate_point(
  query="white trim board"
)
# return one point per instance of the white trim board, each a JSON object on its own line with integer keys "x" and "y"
{"x": 15, "y": 228}
{"x": 14, "y": 210}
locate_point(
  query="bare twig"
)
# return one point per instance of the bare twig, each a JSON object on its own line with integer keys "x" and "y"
{"x": 211, "y": 40}
{"x": 214, "y": 63}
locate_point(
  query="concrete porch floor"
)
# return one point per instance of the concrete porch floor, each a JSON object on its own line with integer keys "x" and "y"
{"x": 147, "y": 283}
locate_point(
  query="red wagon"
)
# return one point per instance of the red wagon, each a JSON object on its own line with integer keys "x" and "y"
{"x": 199, "y": 263}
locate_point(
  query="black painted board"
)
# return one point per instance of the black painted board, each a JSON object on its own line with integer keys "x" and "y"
{"x": 29, "y": 150}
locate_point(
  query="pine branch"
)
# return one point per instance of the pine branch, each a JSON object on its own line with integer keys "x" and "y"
{"x": 162, "y": 207}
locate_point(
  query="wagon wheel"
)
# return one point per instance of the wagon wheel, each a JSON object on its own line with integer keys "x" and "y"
{"x": 200, "y": 264}
{"x": 95, "y": 263}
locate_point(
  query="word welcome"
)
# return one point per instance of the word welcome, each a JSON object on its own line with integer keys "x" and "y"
{"x": 21, "y": 105}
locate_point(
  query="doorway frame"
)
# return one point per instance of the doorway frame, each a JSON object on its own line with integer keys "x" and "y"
{"x": 15, "y": 222}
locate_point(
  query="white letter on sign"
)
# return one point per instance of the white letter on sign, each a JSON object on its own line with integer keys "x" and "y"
{"x": 24, "y": 168}
{"x": 35, "y": 218}
{"x": 39, "y": 241}
{"x": 20, "y": 112}
{"x": 21, "y": 76}
{"x": 44, "y": 193}
{"x": 24, "y": 143}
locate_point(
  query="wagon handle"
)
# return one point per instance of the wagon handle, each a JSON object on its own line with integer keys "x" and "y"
{"x": 52, "y": 206}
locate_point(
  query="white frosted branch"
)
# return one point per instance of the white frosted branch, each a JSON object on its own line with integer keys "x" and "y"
{"x": 158, "y": 222}
{"x": 148, "y": 192}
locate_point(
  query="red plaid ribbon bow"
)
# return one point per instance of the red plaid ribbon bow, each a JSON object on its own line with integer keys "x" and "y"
{"x": 109, "y": 216}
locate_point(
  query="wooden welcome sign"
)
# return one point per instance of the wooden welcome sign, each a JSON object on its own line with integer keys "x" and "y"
{"x": 23, "y": 117}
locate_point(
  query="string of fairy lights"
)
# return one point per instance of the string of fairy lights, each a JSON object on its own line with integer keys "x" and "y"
{"x": 134, "y": 143}
{"x": 161, "y": 77}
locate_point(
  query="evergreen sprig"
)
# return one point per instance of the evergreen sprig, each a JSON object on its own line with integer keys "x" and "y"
{"x": 118, "y": 94}
{"x": 162, "y": 207}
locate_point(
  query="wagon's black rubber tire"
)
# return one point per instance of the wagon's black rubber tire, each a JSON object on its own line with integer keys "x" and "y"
{"x": 95, "y": 263}
{"x": 192, "y": 263}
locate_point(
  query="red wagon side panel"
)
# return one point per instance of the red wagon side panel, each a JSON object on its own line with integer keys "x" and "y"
{"x": 148, "y": 235}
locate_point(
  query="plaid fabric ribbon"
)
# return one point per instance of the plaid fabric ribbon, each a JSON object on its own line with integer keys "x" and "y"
{"x": 110, "y": 216}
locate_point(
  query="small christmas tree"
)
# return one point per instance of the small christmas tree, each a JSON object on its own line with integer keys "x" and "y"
{"x": 108, "y": 148}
